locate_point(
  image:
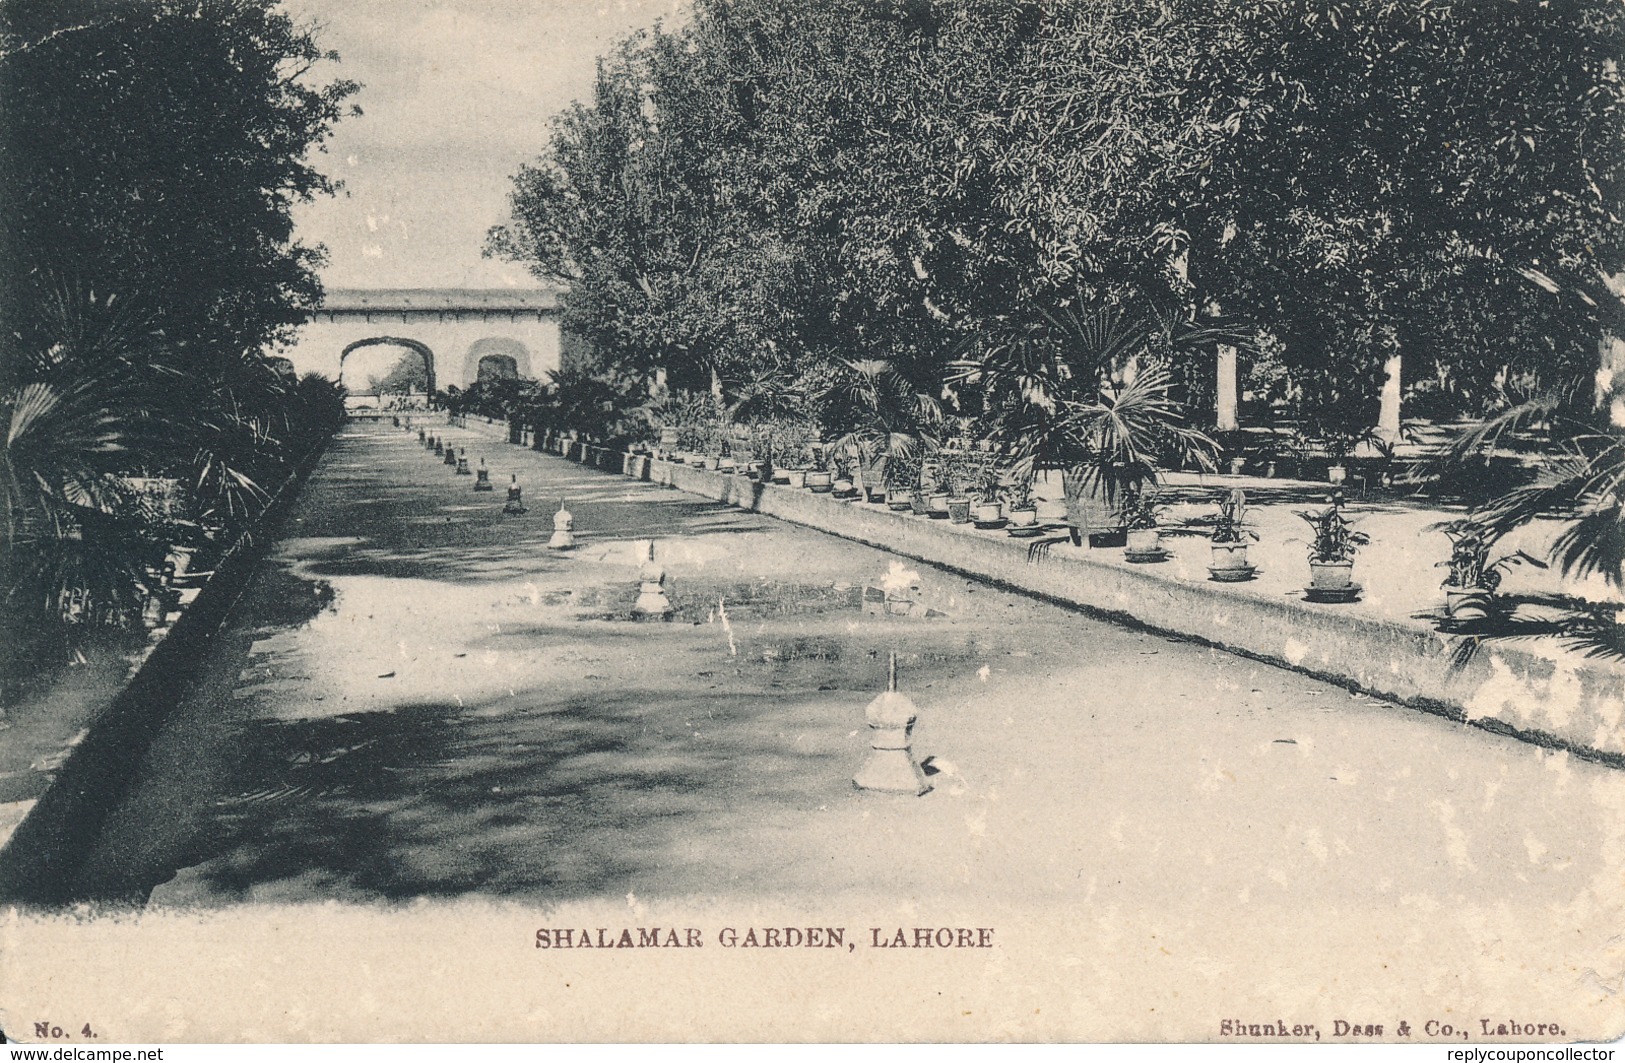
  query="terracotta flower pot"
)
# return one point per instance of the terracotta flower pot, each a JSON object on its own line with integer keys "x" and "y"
{"x": 899, "y": 498}
{"x": 987, "y": 512}
{"x": 1336, "y": 474}
{"x": 1024, "y": 516}
{"x": 1466, "y": 603}
{"x": 1087, "y": 508}
{"x": 1331, "y": 575}
{"x": 795, "y": 478}
{"x": 959, "y": 510}
{"x": 936, "y": 505}
{"x": 820, "y": 482}
{"x": 1143, "y": 541}
{"x": 1229, "y": 557}
{"x": 873, "y": 476}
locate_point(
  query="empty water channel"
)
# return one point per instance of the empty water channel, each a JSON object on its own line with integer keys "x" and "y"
{"x": 417, "y": 699}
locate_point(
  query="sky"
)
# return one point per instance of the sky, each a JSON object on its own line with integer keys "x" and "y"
{"x": 455, "y": 95}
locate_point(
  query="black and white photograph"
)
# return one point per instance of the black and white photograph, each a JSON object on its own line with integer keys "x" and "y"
{"x": 840, "y": 521}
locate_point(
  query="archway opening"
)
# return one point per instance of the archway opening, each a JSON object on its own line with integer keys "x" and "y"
{"x": 496, "y": 367}
{"x": 496, "y": 358}
{"x": 387, "y": 371}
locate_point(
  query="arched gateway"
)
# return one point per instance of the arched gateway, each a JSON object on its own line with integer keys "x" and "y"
{"x": 459, "y": 332}
{"x": 421, "y": 349}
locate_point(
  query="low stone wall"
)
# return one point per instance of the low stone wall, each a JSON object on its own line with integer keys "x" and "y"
{"x": 39, "y": 862}
{"x": 1558, "y": 702}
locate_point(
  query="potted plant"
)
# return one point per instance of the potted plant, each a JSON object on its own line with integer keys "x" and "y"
{"x": 1018, "y": 501}
{"x": 988, "y": 509}
{"x": 870, "y": 465}
{"x": 1473, "y": 579}
{"x": 1229, "y": 540}
{"x": 1142, "y": 531}
{"x": 1340, "y": 442}
{"x": 934, "y": 489}
{"x": 1331, "y": 554}
{"x": 890, "y": 421}
{"x": 844, "y": 486}
{"x": 903, "y": 484}
{"x": 955, "y": 472}
{"x": 797, "y": 455}
{"x": 1091, "y": 393}
{"x": 820, "y": 479}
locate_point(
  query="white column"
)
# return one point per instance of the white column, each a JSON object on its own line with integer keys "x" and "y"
{"x": 1611, "y": 365}
{"x": 1227, "y": 419}
{"x": 1611, "y": 377}
{"x": 1388, "y": 418}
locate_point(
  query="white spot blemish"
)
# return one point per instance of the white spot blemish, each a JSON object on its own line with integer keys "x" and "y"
{"x": 1455, "y": 839}
{"x": 1294, "y": 652}
{"x": 899, "y": 578}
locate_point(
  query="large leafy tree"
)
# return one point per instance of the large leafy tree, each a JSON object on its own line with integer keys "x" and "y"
{"x": 156, "y": 150}
{"x": 1435, "y": 179}
{"x": 149, "y": 161}
{"x": 899, "y": 180}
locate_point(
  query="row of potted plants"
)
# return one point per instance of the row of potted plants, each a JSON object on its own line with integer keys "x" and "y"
{"x": 970, "y": 485}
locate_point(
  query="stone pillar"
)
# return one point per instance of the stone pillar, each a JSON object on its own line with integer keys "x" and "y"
{"x": 1611, "y": 378}
{"x": 1388, "y": 418}
{"x": 1226, "y": 391}
{"x": 1611, "y": 365}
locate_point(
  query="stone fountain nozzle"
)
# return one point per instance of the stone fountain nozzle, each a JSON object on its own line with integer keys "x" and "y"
{"x": 891, "y": 767}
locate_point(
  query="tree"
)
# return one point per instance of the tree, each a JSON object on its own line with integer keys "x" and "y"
{"x": 1436, "y": 179}
{"x": 407, "y": 374}
{"x": 156, "y": 150}
{"x": 150, "y": 158}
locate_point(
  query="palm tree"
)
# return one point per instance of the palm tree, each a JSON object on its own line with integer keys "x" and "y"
{"x": 1091, "y": 394}
{"x": 890, "y": 422}
{"x": 76, "y": 411}
{"x": 1583, "y": 481}
{"x": 91, "y": 405}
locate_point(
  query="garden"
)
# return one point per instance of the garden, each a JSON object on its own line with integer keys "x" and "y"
{"x": 1019, "y": 265}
